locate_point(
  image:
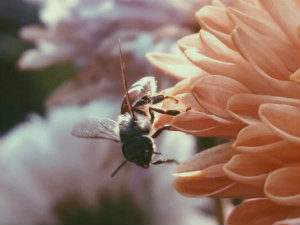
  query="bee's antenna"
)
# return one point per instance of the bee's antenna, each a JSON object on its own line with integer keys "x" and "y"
{"x": 125, "y": 81}
{"x": 119, "y": 167}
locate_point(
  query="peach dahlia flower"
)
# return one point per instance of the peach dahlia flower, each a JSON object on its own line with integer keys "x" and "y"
{"x": 242, "y": 75}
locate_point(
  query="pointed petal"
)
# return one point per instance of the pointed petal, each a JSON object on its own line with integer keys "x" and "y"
{"x": 259, "y": 55}
{"x": 213, "y": 92}
{"x": 251, "y": 169}
{"x": 283, "y": 120}
{"x": 287, "y": 16}
{"x": 250, "y": 9}
{"x": 214, "y": 20}
{"x": 244, "y": 107}
{"x": 239, "y": 190}
{"x": 258, "y": 138}
{"x": 214, "y": 17}
{"x": 258, "y": 212}
{"x": 174, "y": 65}
{"x": 181, "y": 87}
{"x": 268, "y": 32}
{"x": 237, "y": 68}
{"x": 198, "y": 184}
{"x": 213, "y": 182}
{"x": 295, "y": 76}
{"x": 203, "y": 124}
{"x": 283, "y": 186}
{"x": 294, "y": 221}
{"x": 216, "y": 155}
{"x": 189, "y": 41}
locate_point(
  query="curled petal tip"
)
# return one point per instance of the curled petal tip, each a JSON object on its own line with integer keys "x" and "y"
{"x": 187, "y": 174}
{"x": 295, "y": 76}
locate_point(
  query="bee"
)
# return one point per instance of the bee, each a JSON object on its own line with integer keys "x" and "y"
{"x": 133, "y": 126}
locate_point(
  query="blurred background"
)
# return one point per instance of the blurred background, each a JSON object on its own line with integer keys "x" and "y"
{"x": 23, "y": 92}
{"x": 59, "y": 64}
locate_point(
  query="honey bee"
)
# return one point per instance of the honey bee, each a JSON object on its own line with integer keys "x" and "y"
{"x": 132, "y": 129}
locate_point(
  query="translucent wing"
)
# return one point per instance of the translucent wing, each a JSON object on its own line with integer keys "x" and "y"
{"x": 144, "y": 86}
{"x": 96, "y": 128}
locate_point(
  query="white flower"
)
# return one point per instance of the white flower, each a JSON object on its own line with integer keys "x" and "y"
{"x": 45, "y": 172}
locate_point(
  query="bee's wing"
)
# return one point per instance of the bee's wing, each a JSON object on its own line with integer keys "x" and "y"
{"x": 96, "y": 128}
{"x": 145, "y": 86}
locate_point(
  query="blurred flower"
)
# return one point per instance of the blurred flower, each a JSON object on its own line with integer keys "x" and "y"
{"x": 50, "y": 177}
{"x": 250, "y": 52}
{"x": 87, "y": 31}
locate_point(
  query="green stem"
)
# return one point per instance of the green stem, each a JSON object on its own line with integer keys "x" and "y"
{"x": 219, "y": 211}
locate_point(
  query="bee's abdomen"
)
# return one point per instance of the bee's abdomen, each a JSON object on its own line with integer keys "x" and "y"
{"x": 138, "y": 150}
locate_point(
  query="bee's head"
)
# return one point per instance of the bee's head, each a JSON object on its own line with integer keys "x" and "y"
{"x": 139, "y": 151}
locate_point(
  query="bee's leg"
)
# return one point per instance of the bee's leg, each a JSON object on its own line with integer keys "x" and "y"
{"x": 160, "y": 161}
{"x": 160, "y": 130}
{"x": 157, "y": 153}
{"x": 159, "y": 98}
{"x": 139, "y": 111}
{"x": 142, "y": 101}
{"x": 162, "y": 111}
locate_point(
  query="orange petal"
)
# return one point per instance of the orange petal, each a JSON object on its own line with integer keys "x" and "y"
{"x": 258, "y": 212}
{"x": 203, "y": 124}
{"x": 244, "y": 107}
{"x": 174, "y": 65}
{"x": 295, "y": 76}
{"x": 283, "y": 120}
{"x": 213, "y": 92}
{"x": 218, "y": 49}
{"x": 250, "y": 168}
{"x": 212, "y": 182}
{"x": 259, "y": 55}
{"x": 216, "y": 155}
{"x": 214, "y": 20}
{"x": 268, "y": 32}
{"x": 283, "y": 186}
{"x": 256, "y": 135}
{"x": 199, "y": 183}
{"x": 182, "y": 86}
{"x": 185, "y": 101}
{"x": 295, "y": 221}
{"x": 189, "y": 41}
{"x": 258, "y": 138}
{"x": 236, "y": 68}
{"x": 251, "y": 9}
{"x": 286, "y": 15}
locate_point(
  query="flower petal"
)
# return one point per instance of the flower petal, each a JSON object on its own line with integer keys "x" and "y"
{"x": 216, "y": 155}
{"x": 174, "y": 65}
{"x": 283, "y": 120}
{"x": 236, "y": 68}
{"x": 213, "y": 182}
{"x": 199, "y": 183}
{"x": 205, "y": 125}
{"x": 244, "y": 107}
{"x": 267, "y": 31}
{"x": 258, "y": 138}
{"x": 296, "y": 76}
{"x": 214, "y": 20}
{"x": 181, "y": 87}
{"x": 213, "y": 92}
{"x": 259, "y": 55}
{"x": 189, "y": 41}
{"x": 286, "y": 15}
{"x": 295, "y": 221}
{"x": 250, "y": 169}
{"x": 283, "y": 186}
{"x": 258, "y": 212}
